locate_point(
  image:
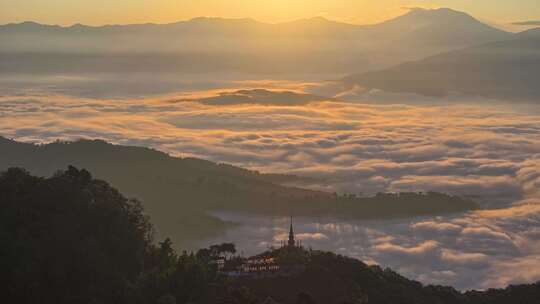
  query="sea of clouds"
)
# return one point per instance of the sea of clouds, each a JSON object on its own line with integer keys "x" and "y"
{"x": 488, "y": 151}
{"x": 477, "y": 250}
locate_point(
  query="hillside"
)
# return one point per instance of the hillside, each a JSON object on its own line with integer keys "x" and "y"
{"x": 506, "y": 70}
{"x": 314, "y": 45}
{"x": 179, "y": 192}
{"x": 73, "y": 239}
{"x": 68, "y": 239}
{"x": 335, "y": 279}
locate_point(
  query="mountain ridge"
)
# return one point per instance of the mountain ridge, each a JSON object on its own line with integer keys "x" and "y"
{"x": 312, "y": 45}
{"x": 181, "y": 192}
{"x": 502, "y": 70}
{"x": 435, "y": 13}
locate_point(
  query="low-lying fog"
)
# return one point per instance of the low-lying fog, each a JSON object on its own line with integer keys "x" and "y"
{"x": 477, "y": 250}
{"x": 356, "y": 143}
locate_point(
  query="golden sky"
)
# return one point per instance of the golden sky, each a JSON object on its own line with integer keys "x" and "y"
{"x": 97, "y": 12}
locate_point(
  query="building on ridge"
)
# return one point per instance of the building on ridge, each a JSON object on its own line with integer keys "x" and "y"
{"x": 291, "y": 242}
{"x": 282, "y": 261}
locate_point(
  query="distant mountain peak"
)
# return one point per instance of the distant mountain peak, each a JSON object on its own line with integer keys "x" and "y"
{"x": 318, "y": 23}
{"x": 439, "y": 10}
{"x": 319, "y": 19}
{"x": 28, "y": 24}
{"x": 437, "y": 15}
{"x": 443, "y": 24}
{"x": 436, "y": 11}
{"x": 79, "y": 26}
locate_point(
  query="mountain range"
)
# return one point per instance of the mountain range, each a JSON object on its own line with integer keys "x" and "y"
{"x": 180, "y": 193}
{"x": 315, "y": 45}
{"x": 507, "y": 70}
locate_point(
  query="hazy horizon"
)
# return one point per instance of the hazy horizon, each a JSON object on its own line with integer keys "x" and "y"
{"x": 501, "y": 14}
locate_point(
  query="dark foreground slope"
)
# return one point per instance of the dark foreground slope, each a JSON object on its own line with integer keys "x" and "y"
{"x": 329, "y": 278}
{"x": 178, "y": 192}
{"x": 73, "y": 239}
{"x": 508, "y": 69}
{"x": 68, "y": 239}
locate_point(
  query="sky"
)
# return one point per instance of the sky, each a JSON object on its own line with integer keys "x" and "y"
{"x": 99, "y": 12}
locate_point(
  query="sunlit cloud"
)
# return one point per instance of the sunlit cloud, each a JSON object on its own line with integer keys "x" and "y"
{"x": 347, "y": 147}
{"x": 490, "y": 153}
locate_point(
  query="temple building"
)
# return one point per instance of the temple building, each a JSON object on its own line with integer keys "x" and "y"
{"x": 260, "y": 264}
{"x": 280, "y": 261}
{"x": 291, "y": 242}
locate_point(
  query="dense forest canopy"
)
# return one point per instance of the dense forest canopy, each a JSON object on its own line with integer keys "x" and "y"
{"x": 69, "y": 238}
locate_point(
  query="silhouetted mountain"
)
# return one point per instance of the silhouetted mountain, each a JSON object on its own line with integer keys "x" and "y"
{"x": 178, "y": 192}
{"x": 316, "y": 27}
{"x": 427, "y": 32}
{"x": 507, "y": 69}
{"x": 445, "y": 25}
{"x": 68, "y": 239}
{"x": 532, "y": 33}
{"x": 315, "y": 45}
{"x": 71, "y": 238}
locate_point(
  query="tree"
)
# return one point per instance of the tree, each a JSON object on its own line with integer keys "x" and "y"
{"x": 68, "y": 238}
{"x": 166, "y": 299}
{"x": 216, "y": 251}
{"x": 304, "y": 298}
{"x": 167, "y": 255}
{"x": 242, "y": 295}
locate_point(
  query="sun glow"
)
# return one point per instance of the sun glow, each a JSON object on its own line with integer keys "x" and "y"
{"x": 100, "y": 12}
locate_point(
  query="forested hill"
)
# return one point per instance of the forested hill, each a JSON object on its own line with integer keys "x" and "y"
{"x": 178, "y": 192}
{"x": 329, "y": 278}
{"x": 73, "y": 239}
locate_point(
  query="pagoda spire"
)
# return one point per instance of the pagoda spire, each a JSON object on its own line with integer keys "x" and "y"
{"x": 291, "y": 241}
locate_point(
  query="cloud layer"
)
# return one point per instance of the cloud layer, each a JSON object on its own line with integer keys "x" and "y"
{"x": 485, "y": 151}
{"x": 478, "y": 250}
